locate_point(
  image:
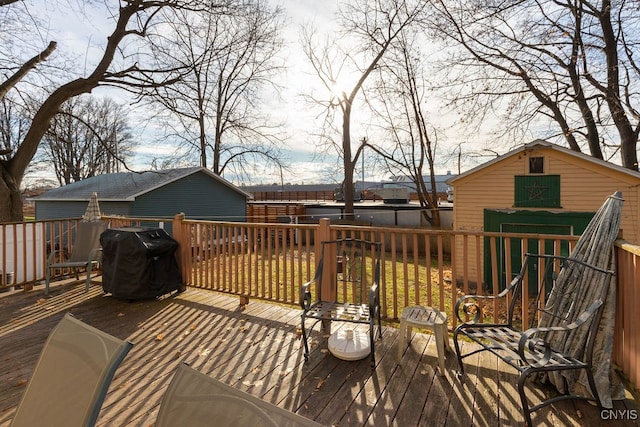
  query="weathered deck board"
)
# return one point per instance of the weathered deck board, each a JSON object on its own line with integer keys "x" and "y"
{"x": 258, "y": 350}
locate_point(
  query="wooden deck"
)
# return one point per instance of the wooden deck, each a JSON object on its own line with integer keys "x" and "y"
{"x": 258, "y": 350}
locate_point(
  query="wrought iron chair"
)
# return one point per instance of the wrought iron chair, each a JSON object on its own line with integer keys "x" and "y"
{"x": 85, "y": 254}
{"x": 353, "y": 267}
{"x": 571, "y": 316}
{"x": 72, "y": 376}
{"x": 534, "y": 348}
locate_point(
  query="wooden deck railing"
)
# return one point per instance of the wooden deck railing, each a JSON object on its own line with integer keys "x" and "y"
{"x": 25, "y": 246}
{"x": 272, "y": 261}
{"x": 626, "y": 338}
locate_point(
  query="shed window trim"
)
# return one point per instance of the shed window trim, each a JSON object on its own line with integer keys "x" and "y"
{"x": 536, "y": 165}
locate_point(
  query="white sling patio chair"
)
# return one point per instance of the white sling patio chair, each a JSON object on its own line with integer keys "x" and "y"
{"x": 85, "y": 253}
{"x": 195, "y": 399}
{"x": 71, "y": 378}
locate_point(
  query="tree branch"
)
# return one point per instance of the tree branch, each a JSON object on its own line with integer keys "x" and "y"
{"x": 26, "y": 67}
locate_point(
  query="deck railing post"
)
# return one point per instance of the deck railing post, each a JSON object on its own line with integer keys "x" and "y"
{"x": 183, "y": 244}
{"x": 327, "y": 289}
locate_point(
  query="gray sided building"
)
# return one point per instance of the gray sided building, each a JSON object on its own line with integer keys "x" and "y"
{"x": 196, "y": 191}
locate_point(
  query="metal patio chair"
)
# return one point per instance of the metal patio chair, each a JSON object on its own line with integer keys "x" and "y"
{"x": 85, "y": 254}
{"x": 353, "y": 266}
{"x": 71, "y": 378}
{"x": 195, "y": 399}
{"x": 568, "y": 341}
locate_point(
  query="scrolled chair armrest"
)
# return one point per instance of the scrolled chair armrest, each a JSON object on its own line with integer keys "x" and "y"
{"x": 530, "y": 344}
{"x": 468, "y": 305}
{"x": 472, "y": 308}
{"x": 305, "y": 295}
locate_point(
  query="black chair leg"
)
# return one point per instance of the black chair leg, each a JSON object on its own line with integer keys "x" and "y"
{"x": 304, "y": 340}
{"x": 594, "y": 390}
{"x": 523, "y": 398}
{"x": 458, "y": 354}
{"x": 371, "y": 338}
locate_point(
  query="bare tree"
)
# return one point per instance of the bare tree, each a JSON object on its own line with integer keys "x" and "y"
{"x": 402, "y": 99}
{"x": 366, "y": 30}
{"x": 134, "y": 19}
{"x": 216, "y": 108}
{"x": 570, "y": 62}
{"x": 86, "y": 138}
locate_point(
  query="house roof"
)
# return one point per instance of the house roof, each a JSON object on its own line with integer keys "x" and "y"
{"x": 126, "y": 186}
{"x": 539, "y": 143}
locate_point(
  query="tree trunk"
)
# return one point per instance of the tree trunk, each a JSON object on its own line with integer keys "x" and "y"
{"x": 9, "y": 191}
{"x": 628, "y": 137}
{"x": 347, "y": 184}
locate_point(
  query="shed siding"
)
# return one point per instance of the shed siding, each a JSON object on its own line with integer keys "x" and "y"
{"x": 198, "y": 196}
{"x": 50, "y": 209}
{"x": 196, "y": 192}
{"x": 57, "y": 210}
{"x": 584, "y": 186}
{"x": 115, "y": 208}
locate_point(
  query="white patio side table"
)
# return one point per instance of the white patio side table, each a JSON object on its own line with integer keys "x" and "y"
{"x": 425, "y": 318}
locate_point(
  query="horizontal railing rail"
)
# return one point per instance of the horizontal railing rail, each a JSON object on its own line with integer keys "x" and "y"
{"x": 116, "y": 221}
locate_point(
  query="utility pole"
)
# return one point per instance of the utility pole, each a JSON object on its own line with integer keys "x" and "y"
{"x": 364, "y": 142}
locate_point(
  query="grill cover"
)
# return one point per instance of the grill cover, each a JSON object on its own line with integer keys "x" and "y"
{"x": 139, "y": 263}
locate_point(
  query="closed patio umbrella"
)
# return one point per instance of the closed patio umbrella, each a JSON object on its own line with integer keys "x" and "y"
{"x": 595, "y": 246}
{"x": 92, "y": 214}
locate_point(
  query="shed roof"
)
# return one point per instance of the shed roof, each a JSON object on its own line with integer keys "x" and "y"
{"x": 126, "y": 186}
{"x": 539, "y": 143}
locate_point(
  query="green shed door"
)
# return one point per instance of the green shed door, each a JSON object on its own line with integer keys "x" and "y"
{"x": 517, "y": 254}
{"x": 524, "y": 221}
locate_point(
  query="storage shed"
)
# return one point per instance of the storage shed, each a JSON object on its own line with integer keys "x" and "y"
{"x": 196, "y": 191}
{"x": 539, "y": 188}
